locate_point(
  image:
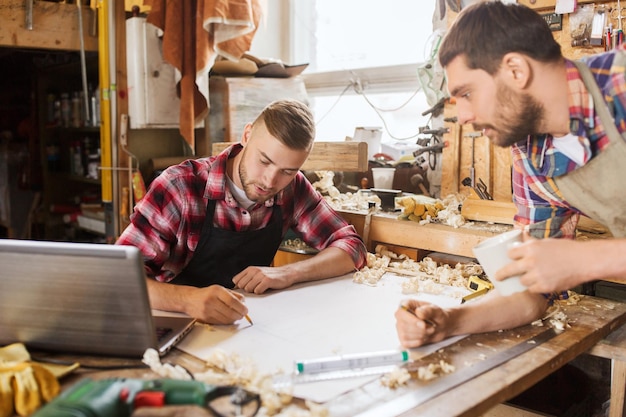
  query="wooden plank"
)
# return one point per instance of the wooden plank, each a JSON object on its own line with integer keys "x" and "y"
{"x": 386, "y": 229}
{"x": 55, "y": 26}
{"x": 488, "y": 210}
{"x": 330, "y": 156}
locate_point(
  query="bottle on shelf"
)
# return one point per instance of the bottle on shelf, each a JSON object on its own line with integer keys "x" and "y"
{"x": 66, "y": 110}
{"x": 75, "y": 112}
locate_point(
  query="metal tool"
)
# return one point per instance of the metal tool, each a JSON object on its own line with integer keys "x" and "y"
{"x": 467, "y": 181}
{"x": 29, "y": 14}
{"x": 433, "y": 148}
{"x": 472, "y": 175}
{"x": 478, "y": 286}
{"x": 445, "y": 383}
{"x": 483, "y": 189}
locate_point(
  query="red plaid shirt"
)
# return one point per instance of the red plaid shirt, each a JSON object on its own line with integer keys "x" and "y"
{"x": 167, "y": 223}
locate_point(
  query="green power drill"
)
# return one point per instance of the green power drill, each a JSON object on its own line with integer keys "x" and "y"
{"x": 119, "y": 397}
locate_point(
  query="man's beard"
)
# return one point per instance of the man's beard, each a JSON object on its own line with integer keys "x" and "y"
{"x": 249, "y": 186}
{"x": 518, "y": 115}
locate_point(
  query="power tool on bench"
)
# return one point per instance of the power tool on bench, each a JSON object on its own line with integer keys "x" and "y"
{"x": 119, "y": 397}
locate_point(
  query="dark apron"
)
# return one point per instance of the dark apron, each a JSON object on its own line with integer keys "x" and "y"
{"x": 597, "y": 189}
{"x": 222, "y": 254}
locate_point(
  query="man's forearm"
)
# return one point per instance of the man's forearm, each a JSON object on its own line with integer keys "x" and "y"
{"x": 167, "y": 297}
{"x": 328, "y": 263}
{"x": 496, "y": 312}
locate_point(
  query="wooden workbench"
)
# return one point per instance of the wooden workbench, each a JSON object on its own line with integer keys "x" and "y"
{"x": 590, "y": 322}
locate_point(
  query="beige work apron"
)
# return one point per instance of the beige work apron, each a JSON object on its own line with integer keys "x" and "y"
{"x": 598, "y": 189}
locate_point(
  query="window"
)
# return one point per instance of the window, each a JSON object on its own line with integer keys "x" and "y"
{"x": 364, "y": 58}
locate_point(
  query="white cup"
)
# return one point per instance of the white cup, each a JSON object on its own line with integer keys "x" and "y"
{"x": 383, "y": 177}
{"x": 492, "y": 255}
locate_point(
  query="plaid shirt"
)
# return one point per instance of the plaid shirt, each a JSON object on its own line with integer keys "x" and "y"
{"x": 537, "y": 161}
{"x": 167, "y": 223}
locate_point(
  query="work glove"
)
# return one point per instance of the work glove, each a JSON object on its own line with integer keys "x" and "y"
{"x": 24, "y": 385}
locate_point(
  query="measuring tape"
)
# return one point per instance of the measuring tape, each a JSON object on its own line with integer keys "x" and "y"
{"x": 478, "y": 286}
{"x": 447, "y": 382}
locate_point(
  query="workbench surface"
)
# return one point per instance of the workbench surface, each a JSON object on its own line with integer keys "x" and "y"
{"x": 590, "y": 321}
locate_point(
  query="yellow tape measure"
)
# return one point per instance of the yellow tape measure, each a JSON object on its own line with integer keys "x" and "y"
{"x": 478, "y": 286}
{"x": 476, "y": 283}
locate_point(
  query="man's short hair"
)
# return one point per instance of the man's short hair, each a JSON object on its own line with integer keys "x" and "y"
{"x": 486, "y": 31}
{"x": 291, "y": 122}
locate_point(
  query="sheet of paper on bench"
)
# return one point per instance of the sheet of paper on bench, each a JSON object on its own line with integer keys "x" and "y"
{"x": 317, "y": 319}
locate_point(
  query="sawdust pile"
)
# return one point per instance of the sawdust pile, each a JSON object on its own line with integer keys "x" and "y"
{"x": 425, "y": 276}
{"x": 230, "y": 369}
{"x": 555, "y": 316}
{"x": 423, "y": 211}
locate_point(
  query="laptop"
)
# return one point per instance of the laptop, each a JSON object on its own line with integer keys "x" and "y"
{"x": 80, "y": 298}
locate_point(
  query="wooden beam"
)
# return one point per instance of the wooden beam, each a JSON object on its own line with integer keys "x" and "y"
{"x": 326, "y": 156}
{"x": 385, "y": 228}
{"x": 55, "y": 26}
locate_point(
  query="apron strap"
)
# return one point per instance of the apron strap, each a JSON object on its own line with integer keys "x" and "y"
{"x": 599, "y": 103}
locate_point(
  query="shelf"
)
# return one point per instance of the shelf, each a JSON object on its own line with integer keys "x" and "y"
{"x": 82, "y": 129}
{"x": 75, "y": 178}
{"x": 91, "y": 224}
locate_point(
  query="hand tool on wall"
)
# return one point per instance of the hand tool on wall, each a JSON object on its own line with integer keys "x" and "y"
{"x": 477, "y": 191}
{"x": 472, "y": 175}
{"x": 29, "y": 14}
{"x": 418, "y": 180}
{"x": 483, "y": 189}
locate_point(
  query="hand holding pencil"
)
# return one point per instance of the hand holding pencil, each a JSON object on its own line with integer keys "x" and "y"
{"x": 419, "y": 323}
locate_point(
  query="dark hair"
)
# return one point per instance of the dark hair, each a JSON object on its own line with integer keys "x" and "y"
{"x": 291, "y": 122}
{"x": 486, "y": 31}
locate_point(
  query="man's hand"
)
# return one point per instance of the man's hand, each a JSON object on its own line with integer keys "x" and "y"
{"x": 258, "y": 279}
{"x": 551, "y": 265}
{"x": 420, "y": 323}
{"x": 216, "y": 305}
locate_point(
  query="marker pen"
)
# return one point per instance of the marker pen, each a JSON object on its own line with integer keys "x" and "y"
{"x": 352, "y": 361}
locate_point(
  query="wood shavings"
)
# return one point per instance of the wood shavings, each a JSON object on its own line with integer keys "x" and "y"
{"x": 434, "y": 370}
{"x": 425, "y": 276}
{"x": 573, "y": 298}
{"x": 368, "y": 276}
{"x": 359, "y": 201}
{"x": 444, "y": 211}
{"x": 395, "y": 378}
{"x": 383, "y": 251}
{"x": 153, "y": 360}
{"x": 556, "y": 318}
{"x": 325, "y": 184}
{"x": 230, "y": 369}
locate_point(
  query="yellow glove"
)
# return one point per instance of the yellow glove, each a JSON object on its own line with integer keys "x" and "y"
{"x": 24, "y": 385}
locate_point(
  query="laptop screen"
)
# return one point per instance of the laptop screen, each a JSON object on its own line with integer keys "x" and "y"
{"x": 74, "y": 297}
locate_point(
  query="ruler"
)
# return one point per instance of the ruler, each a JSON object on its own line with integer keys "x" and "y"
{"x": 443, "y": 384}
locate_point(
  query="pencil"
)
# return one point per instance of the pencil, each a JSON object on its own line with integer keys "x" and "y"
{"x": 427, "y": 321}
{"x": 248, "y": 318}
